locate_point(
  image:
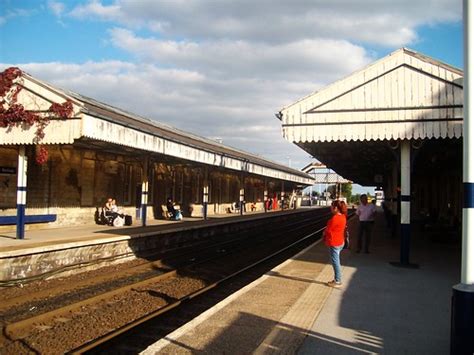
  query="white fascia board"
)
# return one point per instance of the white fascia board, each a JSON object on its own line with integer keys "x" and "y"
{"x": 103, "y": 130}
{"x": 60, "y": 131}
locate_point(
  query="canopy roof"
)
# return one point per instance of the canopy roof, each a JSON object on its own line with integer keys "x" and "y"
{"x": 354, "y": 125}
{"x": 405, "y": 95}
{"x": 94, "y": 121}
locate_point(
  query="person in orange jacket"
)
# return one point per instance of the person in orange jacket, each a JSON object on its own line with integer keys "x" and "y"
{"x": 334, "y": 239}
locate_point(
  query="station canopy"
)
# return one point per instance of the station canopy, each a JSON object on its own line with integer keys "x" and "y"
{"x": 355, "y": 124}
{"x": 96, "y": 125}
{"x": 323, "y": 175}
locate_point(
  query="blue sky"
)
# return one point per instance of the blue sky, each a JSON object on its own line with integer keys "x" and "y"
{"x": 31, "y": 32}
{"x": 37, "y": 35}
{"x": 441, "y": 41}
{"x": 218, "y": 69}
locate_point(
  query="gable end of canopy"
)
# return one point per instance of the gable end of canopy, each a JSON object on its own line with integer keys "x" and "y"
{"x": 403, "y": 96}
{"x": 37, "y": 96}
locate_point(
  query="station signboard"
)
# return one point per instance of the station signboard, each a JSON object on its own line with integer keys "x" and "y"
{"x": 7, "y": 170}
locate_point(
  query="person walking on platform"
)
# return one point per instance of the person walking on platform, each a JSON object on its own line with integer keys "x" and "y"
{"x": 366, "y": 213}
{"x": 334, "y": 239}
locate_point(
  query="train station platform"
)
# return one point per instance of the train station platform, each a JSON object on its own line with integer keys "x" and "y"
{"x": 63, "y": 250}
{"x": 380, "y": 308}
{"x": 62, "y": 235}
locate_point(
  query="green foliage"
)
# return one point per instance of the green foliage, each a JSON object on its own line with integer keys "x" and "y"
{"x": 347, "y": 190}
{"x": 354, "y": 198}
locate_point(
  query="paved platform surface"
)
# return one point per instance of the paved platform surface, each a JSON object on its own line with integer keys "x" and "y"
{"x": 92, "y": 232}
{"x": 380, "y": 309}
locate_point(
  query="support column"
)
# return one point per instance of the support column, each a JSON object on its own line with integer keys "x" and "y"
{"x": 282, "y": 196}
{"x": 395, "y": 201}
{"x": 265, "y": 194}
{"x": 294, "y": 199}
{"x": 242, "y": 194}
{"x": 405, "y": 227}
{"x": 205, "y": 193}
{"x": 462, "y": 303}
{"x": 144, "y": 198}
{"x": 21, "y": 193}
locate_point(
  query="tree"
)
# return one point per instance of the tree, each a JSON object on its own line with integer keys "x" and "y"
{"x": 354, "y": 198}
{"x": 347, "y": 191}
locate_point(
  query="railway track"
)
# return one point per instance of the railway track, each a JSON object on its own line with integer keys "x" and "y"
{"x": 130, "y": 297}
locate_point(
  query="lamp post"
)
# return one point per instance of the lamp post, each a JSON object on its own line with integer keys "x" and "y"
{"x": 462, "y": 305}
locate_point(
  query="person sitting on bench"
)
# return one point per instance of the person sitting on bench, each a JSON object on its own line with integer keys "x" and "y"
{"x": 174, "y": 213}
{"x": 108, "y": 207}
{"x": 111, "y": 209}
{"x": 107, "y": 216}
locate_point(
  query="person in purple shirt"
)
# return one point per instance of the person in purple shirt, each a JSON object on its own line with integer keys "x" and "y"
{"x": 366, "y": 213}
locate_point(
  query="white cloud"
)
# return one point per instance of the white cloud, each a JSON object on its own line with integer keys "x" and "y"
{"x": 95, "y": 8}
{"x": 241, "y": 59}
{"x": 240, "y": 111}
{"x": 56, "y": 7}
{"x": 12, "y": 13}
{"x": 370, "y": 21}
{"x": 223, "y": 68}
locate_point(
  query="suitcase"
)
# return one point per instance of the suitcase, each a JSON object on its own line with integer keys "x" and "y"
{"x": 128, "y": 220}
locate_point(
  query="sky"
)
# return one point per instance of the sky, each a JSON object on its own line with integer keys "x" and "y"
{"x": 220, "y": 69}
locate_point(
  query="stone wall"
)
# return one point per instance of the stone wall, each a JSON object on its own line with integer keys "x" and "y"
{"x": 57, "y": 260}
{"x": 75, "y": 183}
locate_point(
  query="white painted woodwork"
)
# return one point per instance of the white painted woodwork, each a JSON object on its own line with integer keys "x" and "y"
{"x": 38, "y": 96}
{"x": 405, "y": 95}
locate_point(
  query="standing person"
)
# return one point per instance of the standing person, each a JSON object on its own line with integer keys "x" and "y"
{"x": 334, "y": 239}
{"x": 269, "y": 203}
{"x": 275, "y": 202}
{"x": 366, "y": 213}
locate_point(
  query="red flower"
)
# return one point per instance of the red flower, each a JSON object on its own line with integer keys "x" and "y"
{"x": 6, "y": 79}
{"x": 41, "y": 154}
{"x": 14, "y": 114}
{"x": 63, "y": 110}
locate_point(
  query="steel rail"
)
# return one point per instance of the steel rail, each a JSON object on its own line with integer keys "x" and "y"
{"x": 16, "y": 330}
{"x": 109, "y": 336}
{"x": 168, "y": 256}
{"x": 20, "y": 329}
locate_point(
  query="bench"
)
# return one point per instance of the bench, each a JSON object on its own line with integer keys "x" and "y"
{"x": 37, "y": 218}
{"x": 234, "y": 208}
{"x": 165, "y": 213}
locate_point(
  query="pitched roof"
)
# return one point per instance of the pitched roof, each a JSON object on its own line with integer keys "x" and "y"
{"x": 404, "y": 95}
{"x": 100, "y": 121}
